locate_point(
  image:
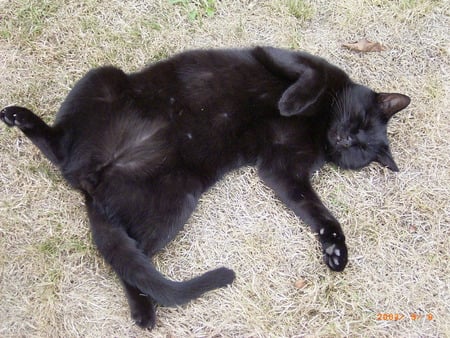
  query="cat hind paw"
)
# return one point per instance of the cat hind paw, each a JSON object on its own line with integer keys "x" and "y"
{"x": 17, "y": 116}
{"x": 144, "y": 320}
{"x": 144, "y": 315}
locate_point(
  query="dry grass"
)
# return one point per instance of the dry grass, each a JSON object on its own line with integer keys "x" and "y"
{"x": 54, "y": 284}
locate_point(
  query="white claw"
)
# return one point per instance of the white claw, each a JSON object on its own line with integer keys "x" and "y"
{"x": 322, "y": 231}
{"x": 337, "y": 252}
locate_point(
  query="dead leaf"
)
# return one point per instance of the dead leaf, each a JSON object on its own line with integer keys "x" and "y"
{"x": 300, "y": 284}
{"x": 365, "y": 45}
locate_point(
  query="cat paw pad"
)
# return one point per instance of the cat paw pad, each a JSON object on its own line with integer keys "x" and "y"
{"x": 16, "y": 116}
{"x": 334, "y": 248}
{"x": 335, "y": 256}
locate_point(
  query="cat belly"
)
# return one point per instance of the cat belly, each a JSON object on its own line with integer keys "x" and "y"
{"x": 136, "y": 145}
{"x": 124, "y": 147}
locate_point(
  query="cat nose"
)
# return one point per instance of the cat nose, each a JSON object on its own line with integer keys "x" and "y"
{"x": 344, "y": 142}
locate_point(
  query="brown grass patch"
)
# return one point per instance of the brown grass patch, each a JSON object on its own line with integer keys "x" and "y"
{"x": 54, "y": 284}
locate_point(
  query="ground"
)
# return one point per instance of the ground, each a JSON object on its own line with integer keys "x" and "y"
{"x": 54, "y": 283}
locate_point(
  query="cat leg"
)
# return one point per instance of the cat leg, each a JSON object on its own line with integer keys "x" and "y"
{"x": 303, "y": 70}
{"x": 298, "y": 194}
{"x": 117, "y": 249}
{"x": 43, "y": 136}
{"x": 138, "y": 272}
{"x": 171, "y": 216}
{"x": 142, "y": 306}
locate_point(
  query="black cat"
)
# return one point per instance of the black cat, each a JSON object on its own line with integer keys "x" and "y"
{"x": 143, "y": 147}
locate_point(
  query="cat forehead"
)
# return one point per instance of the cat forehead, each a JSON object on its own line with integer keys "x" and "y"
{"x": 358, "y": 94}
{"x": 362, "y": 91}
{"x": 356, "y": 100}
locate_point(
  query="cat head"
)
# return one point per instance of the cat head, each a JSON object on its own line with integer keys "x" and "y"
{"x": 357, "y": 133}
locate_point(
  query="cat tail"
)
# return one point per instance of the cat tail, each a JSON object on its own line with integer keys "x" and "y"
{"x": 135, "y": 268}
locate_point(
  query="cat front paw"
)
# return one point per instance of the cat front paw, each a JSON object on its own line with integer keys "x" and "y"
{"x": 335, "y": 252}
{"x": 17, "y": 116}
{"x": 335, "y": 256}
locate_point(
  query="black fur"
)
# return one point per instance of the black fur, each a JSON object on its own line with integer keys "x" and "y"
{"x": 143, "y": 147}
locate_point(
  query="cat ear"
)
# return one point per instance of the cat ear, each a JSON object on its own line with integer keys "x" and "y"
{"x": 385, "y": 159}
{"x": 392, "y": 103}
{"x": 302, "y": 95}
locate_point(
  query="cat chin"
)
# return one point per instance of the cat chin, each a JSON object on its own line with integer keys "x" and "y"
{"x": 348, "y": 163}
{"x": 350, "y": 167}
{"x": 345, "y": 166}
